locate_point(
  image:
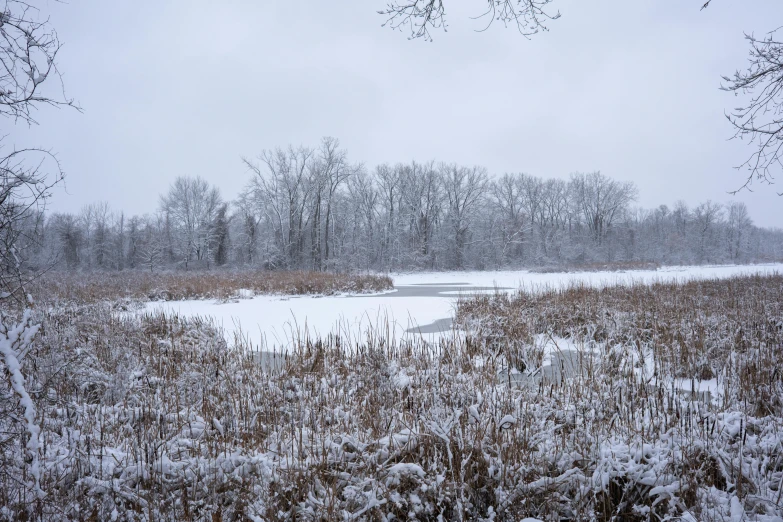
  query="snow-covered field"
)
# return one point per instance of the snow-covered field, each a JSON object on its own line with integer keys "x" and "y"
{"x": 420, "y": 299}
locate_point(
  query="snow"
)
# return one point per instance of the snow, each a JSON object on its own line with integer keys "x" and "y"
{"x": 699, "y": 386}
{"x": 274, "y": 322}
{"x": 506, "y": 422}
{"x": 531, "y": 280}
{"x": 405, "y": 468}
{"x": 551, "y": 345}
{"x": 468, "y": 291}
{"x": 402, "y": 380}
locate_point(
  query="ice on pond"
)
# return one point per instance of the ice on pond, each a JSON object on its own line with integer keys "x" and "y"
{"x": 422, "y": 304}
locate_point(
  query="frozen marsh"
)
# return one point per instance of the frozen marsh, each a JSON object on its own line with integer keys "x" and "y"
{"x": 421, "y": 304}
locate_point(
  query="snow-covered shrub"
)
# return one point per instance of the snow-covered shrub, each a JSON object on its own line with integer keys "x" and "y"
{"x": 19, "y": 424}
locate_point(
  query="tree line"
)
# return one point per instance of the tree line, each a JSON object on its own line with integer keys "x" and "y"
{"x": 312, "y": 208}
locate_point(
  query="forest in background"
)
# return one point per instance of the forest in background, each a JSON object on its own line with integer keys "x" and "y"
{"x": 313, "y": 209}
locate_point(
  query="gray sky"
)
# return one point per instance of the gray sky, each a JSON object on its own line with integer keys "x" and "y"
{"x": 173, "y": 88}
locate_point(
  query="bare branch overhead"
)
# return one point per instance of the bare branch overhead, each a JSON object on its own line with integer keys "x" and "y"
{"x": 420, "y": 16}
{"x": 760, "y": 120}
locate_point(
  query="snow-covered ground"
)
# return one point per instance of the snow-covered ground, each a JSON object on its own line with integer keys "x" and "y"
{"x": 420, "y": 299}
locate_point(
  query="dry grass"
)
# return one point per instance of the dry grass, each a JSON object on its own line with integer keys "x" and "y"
{"x": 157, "y": 418}
{"x": 217, "y": 284}
{"x": 699, "y": 329}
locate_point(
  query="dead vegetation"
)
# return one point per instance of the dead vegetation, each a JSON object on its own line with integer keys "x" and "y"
{"x": 216, "y": 284}
{"x": 158, "y": 418}
{"x": 696, "y": 330}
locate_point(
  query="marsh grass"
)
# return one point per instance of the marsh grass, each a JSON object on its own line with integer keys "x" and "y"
{"x": 156, "y": 417}
{"x": 697, "y": 330}
{"x": 216, "y": 284}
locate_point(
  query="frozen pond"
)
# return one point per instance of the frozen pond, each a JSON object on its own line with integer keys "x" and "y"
{"x": 421, "y": 304}
{"x": 271, "y": 322}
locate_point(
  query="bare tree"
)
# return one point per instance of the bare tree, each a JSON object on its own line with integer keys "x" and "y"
{"x": 95, "y": 223}
{"x": 281, "y": 180}
{"x": 738, "y": 229}
{"x": 247, "y": 218}
{"x": 70, "y": 236}
{"x": 422, "y": 193}
{"x": 531, "y": 191}
{"x": 191, "y": 206}
{"x": 118, "y": 242}
{"x": 363, "y": 198}
{"x": 135, "y": 242}
{"x": 328, "y": 171}
{"x": 389, "y": 181}
{"x": 601, "y": 200}
{"x": 464, "y": 188}
{"x": 152, "y": 243}
{"x": 706, "y": 218}
{"x": 508, "y": 199}
{"x": 553, "y": 213}
{"x": 220, "y": 236}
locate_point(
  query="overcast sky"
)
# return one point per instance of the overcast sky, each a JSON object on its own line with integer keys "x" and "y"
{"x": 172, "y": 88}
